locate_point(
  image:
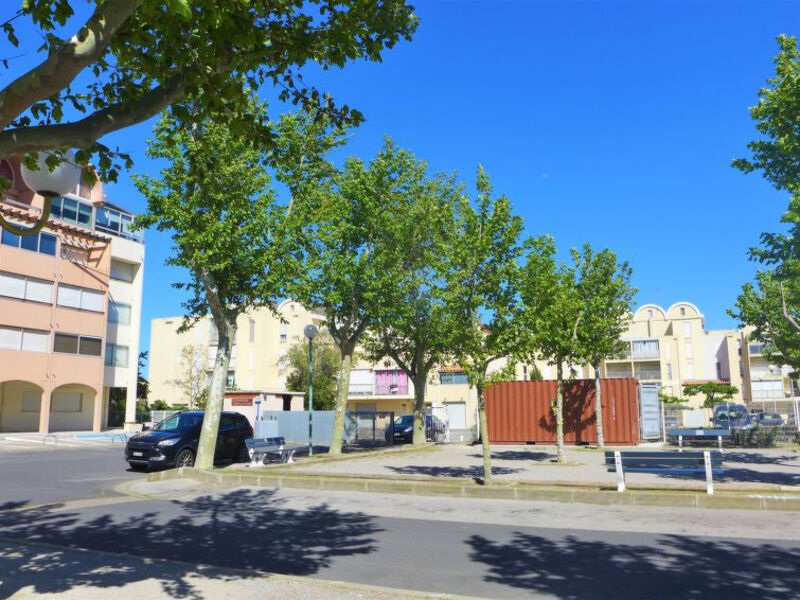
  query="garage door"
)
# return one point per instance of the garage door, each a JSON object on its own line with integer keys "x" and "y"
{"x": 457, "y": 415}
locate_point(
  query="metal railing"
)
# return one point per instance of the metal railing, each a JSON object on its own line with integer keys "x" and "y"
{"x": 360, "y": 389}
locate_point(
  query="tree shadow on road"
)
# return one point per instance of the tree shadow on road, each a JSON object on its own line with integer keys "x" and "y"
{"x": 242, "y": 529}
{"x": 518, "y": 455}
{"x": 678, "y": 567}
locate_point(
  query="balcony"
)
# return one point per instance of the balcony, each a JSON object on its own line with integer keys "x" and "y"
{"x": 360, "y": 389}
{"x": 618, "y": 374}
{"x": 645, "y": 349}
{"x": 648, "y": 374}
{"x": 756, "y": 349}
{"x": 386, "y": 382}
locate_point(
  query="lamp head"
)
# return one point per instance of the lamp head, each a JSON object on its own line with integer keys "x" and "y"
{"x": 310, "y": 331}
{"x": 61, "y": 180}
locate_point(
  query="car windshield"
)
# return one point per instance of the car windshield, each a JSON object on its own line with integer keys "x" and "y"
{"x": 179, "y": 423}
{"x": 404, "y": 420}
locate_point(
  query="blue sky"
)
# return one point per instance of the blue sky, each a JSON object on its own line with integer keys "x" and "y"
{"x": 608, "y": 122}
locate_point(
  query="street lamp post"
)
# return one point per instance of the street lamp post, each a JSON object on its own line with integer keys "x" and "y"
{"x": 310, "y": 332}
{"x": 49, "y": 184}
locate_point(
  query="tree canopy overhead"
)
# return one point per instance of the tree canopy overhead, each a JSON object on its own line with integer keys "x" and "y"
{"x": 130, "y": 59}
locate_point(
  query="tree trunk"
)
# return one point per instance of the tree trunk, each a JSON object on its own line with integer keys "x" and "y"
{"x": 484, "y": 425}
{"x": 419, "y": 408}
{"x": 216, "y": 393}
{"x": 346, "y": 367}
{"x": 562, "y": 457}
{"x": 598, "y": 406}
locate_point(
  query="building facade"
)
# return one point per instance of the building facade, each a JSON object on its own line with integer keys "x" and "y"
{"x": 70, "y": 311}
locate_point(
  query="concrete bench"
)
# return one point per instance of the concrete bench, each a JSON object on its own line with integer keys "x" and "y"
{"x": 260, "y": 448}
{"x": 672, "y": 462}
{"x": 699, "y": 434}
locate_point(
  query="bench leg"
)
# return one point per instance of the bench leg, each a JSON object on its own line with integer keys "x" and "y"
{"x": 709, "y": 474}
{"x": 620, "y": 473}
{"x": 253, "y": 461}
{"x": 289, "y": 457}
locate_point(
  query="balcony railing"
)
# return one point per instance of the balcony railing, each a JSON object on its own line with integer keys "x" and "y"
{"x": 756, "y": 349}
{"x": 391, "y": 389}
{"x": 360, "y": 389}
{"x": 618, "y": 374}
{"x": 648, "y": 374}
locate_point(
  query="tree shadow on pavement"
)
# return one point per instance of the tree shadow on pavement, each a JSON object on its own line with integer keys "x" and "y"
{"x": 758, "y": 458}
{"x": 241, "y": 529}
{"x": 678, "y": 567}
{"x": 518, "y": 455}
{"x": 743, "y": 476}
{"x": 470, "y": 472}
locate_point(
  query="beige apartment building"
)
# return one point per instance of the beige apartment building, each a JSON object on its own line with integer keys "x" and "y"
{"x": 259, "y": 362}
{"x": 70, "y": 310}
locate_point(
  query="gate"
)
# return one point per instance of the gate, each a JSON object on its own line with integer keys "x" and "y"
{"x": 649, "y": 411}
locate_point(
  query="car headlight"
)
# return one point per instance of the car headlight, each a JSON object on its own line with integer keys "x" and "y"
{"x": 407, "y": 430}
{"x": 168, "y": 442}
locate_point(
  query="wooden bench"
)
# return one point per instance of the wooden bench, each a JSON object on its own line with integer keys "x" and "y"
{"x": 260, "y": 448}
{"x": 671, "y": 462}
{"x": 699, "y": 434}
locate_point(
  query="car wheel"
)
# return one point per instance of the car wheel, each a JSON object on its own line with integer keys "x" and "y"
{"x": 185, "y": 458}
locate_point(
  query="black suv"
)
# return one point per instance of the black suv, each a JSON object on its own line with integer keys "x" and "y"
{"x": 403, "y": 429}
{"x": 173, "y": 441}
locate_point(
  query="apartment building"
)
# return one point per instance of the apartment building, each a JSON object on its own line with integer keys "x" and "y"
{"x": 70, "y": 310}
{"x": 260, "y": 362}
{"x": 768, "y": 386}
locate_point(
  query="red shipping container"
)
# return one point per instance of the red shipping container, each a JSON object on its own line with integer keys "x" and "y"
{"x": 520, "y": 412}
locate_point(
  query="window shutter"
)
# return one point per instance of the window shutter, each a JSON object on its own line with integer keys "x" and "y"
{"x": 69, "y": 296}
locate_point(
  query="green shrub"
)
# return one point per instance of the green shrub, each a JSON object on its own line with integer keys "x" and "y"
{"x": 755, "y": 437}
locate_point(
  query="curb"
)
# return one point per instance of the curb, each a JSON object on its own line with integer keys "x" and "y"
{"x": 754, "y": 500}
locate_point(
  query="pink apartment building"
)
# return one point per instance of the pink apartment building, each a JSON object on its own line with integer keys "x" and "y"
{"x": 70, "y": 309}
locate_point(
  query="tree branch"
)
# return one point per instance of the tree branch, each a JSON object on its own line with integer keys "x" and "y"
{"x": 786, "y": 313}
{"x": 84, "y": 133}
{"x": 62, "y": 66}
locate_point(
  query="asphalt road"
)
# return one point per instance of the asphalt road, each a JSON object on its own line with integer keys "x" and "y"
{"x": 348, "y": 537}
{"x": 52, "y": 475}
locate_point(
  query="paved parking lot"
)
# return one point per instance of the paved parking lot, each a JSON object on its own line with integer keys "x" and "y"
{"x": 743, "y": 467}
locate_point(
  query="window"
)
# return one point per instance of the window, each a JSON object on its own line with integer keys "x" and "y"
{"x": 650, "y": 313}
{"x": 683, "y": 311}
{"x": 687, "y": 330}
{"x": 26, "y": 288}
{"x": 123, "y": 271}
{"x": 80, "y": 298}
{"x": 77, "y": 344}
{"x": 72, "y": 210}
{"x": 117, "y": 223}
{"x": 452, "y": 377}
{"x": 719, "y": 370}
{"x": 213, "y": 333}
{"x": 669, "y": 371}
{"x": 42, "y": 242}
{"x": 230, "y": 380}
{"x": 116, "y": 356}
{"x": 252, "y": 331}
{"x": 119, "y": 313}
{"x": 284, "y": 332}
{"x": 689, "y": 350}
{"x": 690, "y": 371}
{"x": 66, "y": 402}
{"x": 29, "y": 340}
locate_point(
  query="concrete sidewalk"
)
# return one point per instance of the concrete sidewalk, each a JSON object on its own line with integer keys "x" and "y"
{"x": 34, "y": 570}
{"x": 773, "y": 469}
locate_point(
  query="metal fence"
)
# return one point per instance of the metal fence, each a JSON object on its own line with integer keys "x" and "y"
{"x": 369, "y": 428}
{"x": 293, "y": 425}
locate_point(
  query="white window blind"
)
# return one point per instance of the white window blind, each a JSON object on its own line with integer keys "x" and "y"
{"x": 689, "y": 350}
{"x": 122, "y": 271}
{"x": 66, "y": 402}
{"x": 69, "y": 296}
{"x": 34, "y": 341}
{"x": 91, "y": 300}
{"x": 39, "y": 291}
{"x": 10, "y": 338}
{"x": 12, "y": 285}
{"x": 687, "y": 329}
{"x": 31, "y": 401}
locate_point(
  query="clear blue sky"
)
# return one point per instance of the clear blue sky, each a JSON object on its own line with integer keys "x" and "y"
{"x": 608, "y": 122}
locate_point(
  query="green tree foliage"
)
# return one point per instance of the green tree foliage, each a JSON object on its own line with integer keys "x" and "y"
{"x": 771, "y": 305}
{"x": 415, "y": 327}
{"x": 550, "y": 314}
{"x": 714, "y": 392}
{"x": 127, "y": 60}
{"x": 481, "y": 295}
{"x": 228, "y": 231}
{"x": 142, "y": 384}
{"x": 607, "y": 296}
{"x": 326, "y": 370}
